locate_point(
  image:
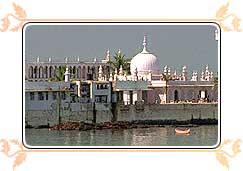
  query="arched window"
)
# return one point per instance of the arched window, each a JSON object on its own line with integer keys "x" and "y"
{"x": 176, "y": 96}
{"x": 79, "y": 72}
{"x": 45, "y": 72}
{"x": 30, "y": 72}
{"x": 83, "y": 72}
{"x": 41, "y": 74}
{"x": 35, "y": 72}
{"x": 50, "y": 71}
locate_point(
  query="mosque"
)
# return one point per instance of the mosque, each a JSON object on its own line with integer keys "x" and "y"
{"x": 148, "y": 82}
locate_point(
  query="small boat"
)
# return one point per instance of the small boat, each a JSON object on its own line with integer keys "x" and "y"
{"x": 182, "y": 130}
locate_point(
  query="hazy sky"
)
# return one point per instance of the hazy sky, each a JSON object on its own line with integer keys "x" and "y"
{"x": 174, "y": 45}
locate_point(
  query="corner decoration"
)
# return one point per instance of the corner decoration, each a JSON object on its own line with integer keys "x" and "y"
{"x": 224, "y": 156}
{"x": 12, "y": 150}
{"x": 223, "y": 18}
{"x": 13, "y": 21}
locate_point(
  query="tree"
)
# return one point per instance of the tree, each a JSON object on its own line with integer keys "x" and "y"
{"x": 120, "y": 60}
{"x": 215, "y": 83}
{"x": 60, "y": 75}
{"x": 166, "y": 78}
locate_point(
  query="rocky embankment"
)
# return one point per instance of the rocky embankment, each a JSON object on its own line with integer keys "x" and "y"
{"x": 128, "y": 125}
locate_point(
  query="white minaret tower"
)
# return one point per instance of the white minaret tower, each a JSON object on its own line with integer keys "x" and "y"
{"x": 207, "y": 73}
{"x": 100, "y": 76}
{"x": 166, "y": 70}
{"x": 121, "y": 71}
{"x": 49, "y": 60}
{"x": 194, "y": 76}
{"x": 202, "y": 76}
{"x": 108, "y": 55}
{"x": 38, "y": 59}
{"x": 184, "y": 73}
{"x": 66, "y": 59}
{"x": 67, "y": 75}
{"x": 115, "y": 75}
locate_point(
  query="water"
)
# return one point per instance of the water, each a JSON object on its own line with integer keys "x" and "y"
{"x": 154, "y": 136}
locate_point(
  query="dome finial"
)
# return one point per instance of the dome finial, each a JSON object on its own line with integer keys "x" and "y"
{"x": 145, "y": 43}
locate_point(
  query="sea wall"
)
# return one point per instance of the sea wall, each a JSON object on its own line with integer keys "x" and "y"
{"x": 179, "y": 112}
{"x": 76, "y": 112}
{"x": 108, "y": 113}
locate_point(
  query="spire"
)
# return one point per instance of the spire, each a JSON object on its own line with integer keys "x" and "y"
{"x": 145, "y": 44}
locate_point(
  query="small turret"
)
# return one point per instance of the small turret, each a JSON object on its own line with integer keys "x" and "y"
{"x": 121, "y": 71}
{"x": 100, "y": 76}
{"x": 67, "y": 75}
{"x": 184, "y": 73}
{"x": 194, "y": 76}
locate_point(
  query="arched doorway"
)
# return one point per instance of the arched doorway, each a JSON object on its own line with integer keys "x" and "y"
{"x": 176, "y": 96}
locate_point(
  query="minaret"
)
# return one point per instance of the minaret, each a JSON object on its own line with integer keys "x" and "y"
{"x": 49, "y": 60}
{"x": 108, "y": 55}
{"x": 38, "y": 59}
{"x": 211, "y": 75}
{"x": 207, "y": 73}
{"x": 194, "y": 76}
{"x": 175, "y": 75}
{"x": 100, "y": 74}
{"x": 202, "y": 76}
{"x": 121, "y": 71}
{"x": 169, "y": 71}
{"x": 67, "y": 75}
{"x": 165, "y": 70}
{"x": 115, "y": 75}
{"x": 184, "y": 73}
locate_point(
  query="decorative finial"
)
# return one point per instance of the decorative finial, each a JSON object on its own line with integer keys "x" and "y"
{"x": 108, "y": 56}
{"x": 145, "y": 43}
{"x": 66, "y": 59}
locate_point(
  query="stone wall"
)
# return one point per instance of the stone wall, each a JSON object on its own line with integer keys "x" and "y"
{"x": 84, "y": 112}
{"x": 179, "y": 112}
{"x": 78, "y": 112}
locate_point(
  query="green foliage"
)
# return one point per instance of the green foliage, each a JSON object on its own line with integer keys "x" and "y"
{"x": 120, "y": 60}
{"x": 60, "y": 74}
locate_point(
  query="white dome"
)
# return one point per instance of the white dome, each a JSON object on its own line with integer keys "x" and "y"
{"x": 145, "y": 62}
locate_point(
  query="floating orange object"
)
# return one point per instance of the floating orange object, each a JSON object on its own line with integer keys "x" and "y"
{"x": 182, "y": 130}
